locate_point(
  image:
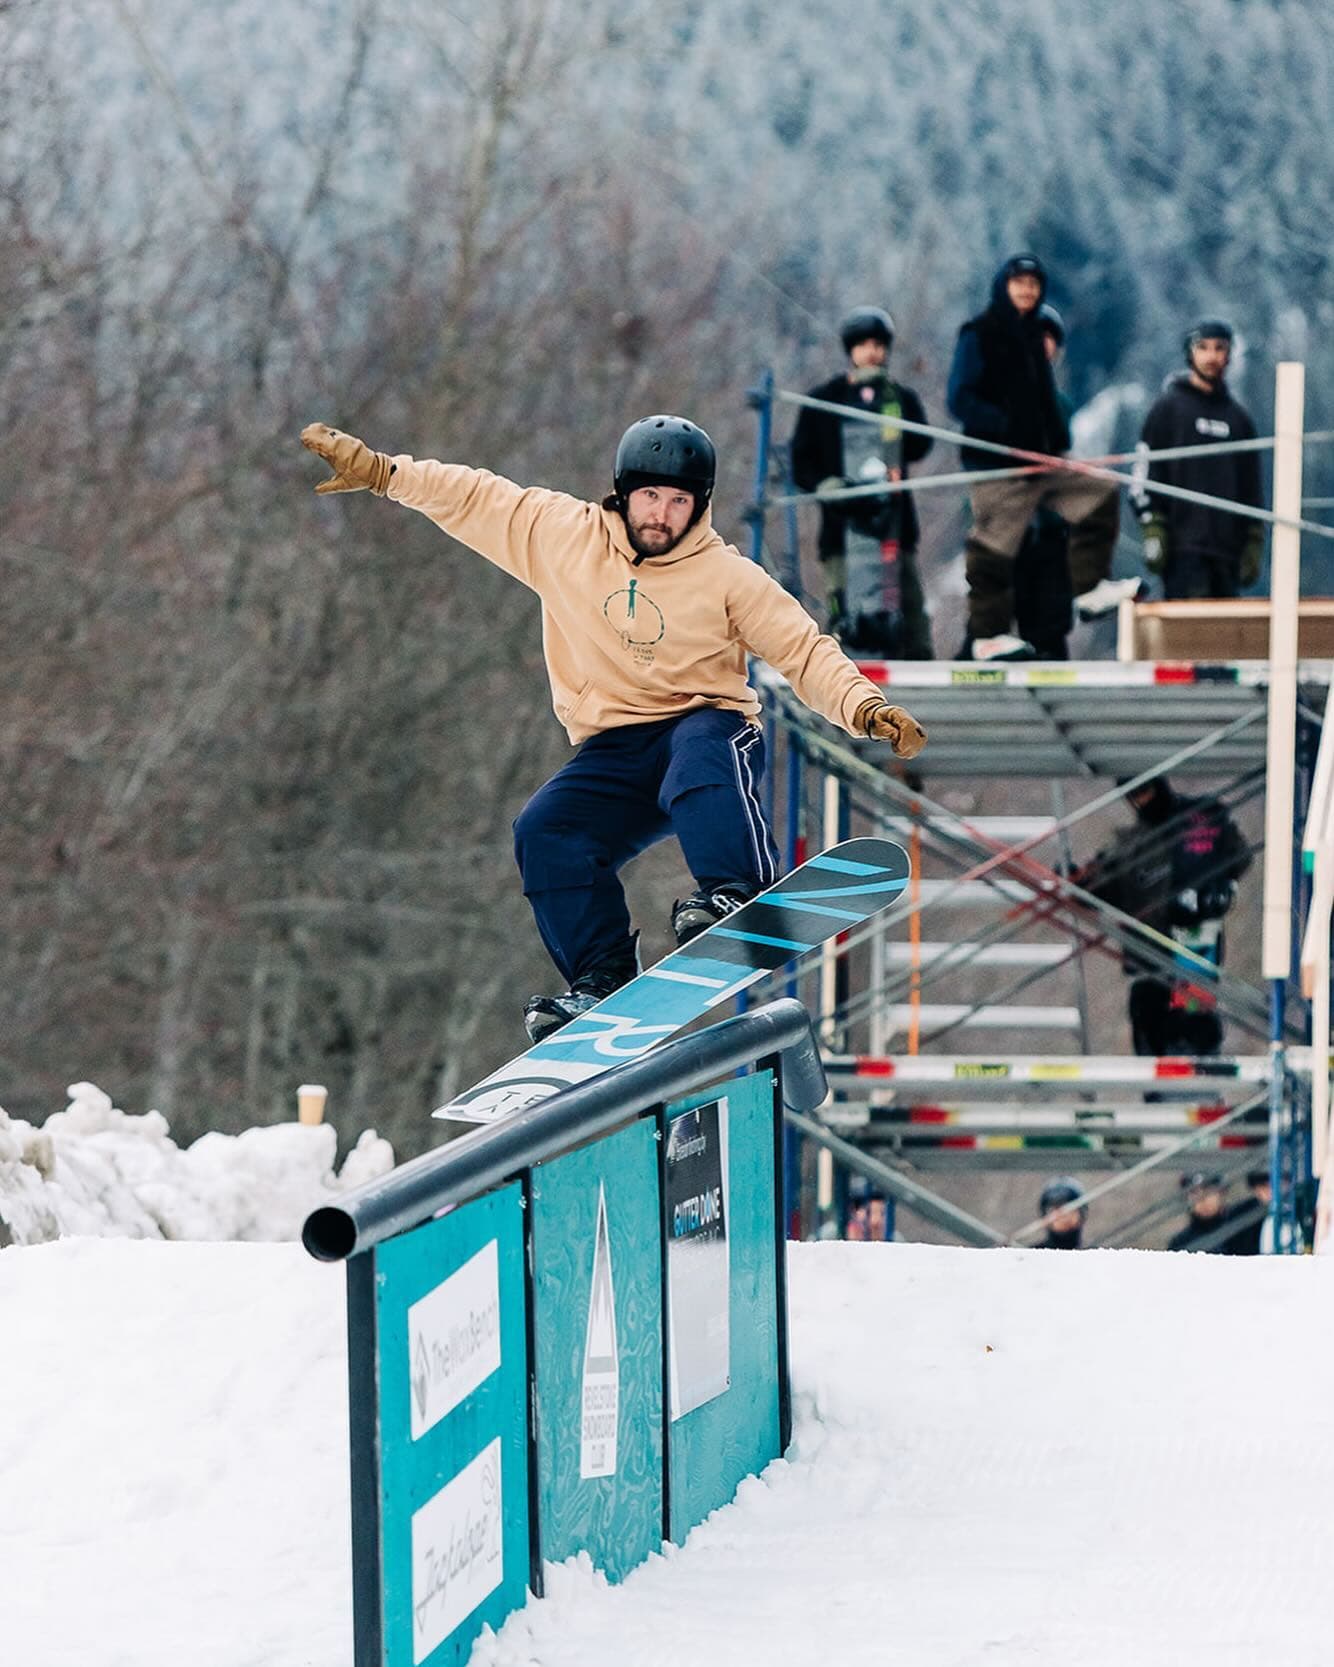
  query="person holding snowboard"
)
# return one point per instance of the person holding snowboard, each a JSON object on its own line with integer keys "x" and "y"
{"x": 1002, "y": 390}
{"x": 647, "y": 617}
{"x": 1197, "y": 550}
{"x": 868, "y": 546}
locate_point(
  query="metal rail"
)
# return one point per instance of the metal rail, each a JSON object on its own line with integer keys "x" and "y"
{"x": 476, "y": 1162}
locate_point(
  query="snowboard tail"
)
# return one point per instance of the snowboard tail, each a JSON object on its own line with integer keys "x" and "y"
{"x": 831, "y": 893}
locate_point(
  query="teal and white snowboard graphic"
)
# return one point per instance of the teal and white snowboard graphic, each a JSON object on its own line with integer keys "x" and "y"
{"x": 832, "y": 893}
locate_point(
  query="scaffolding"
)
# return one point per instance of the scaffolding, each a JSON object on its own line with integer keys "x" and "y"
{"x": 992, "y": 946}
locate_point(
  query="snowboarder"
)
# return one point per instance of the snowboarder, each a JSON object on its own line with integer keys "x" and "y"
{"x": 1197, "y": 550}
{"x": 868, "y": 546}
{"x": 1002, "y": 390}
{"x": 1176, "y": 870}
{"x": 647, "y": 616}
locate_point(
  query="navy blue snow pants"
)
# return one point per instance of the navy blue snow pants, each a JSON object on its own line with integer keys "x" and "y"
{"x": 696, "y": 776}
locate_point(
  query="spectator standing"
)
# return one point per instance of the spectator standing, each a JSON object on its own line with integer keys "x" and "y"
{"x": 1176, "y": 869}
{"x": 1249, "y": 1218}
{"x": 1001, "y": 389}
{"x": 1197, "y": 550}
{"x": 1044, "y": 598}
{"x": 868, "y": 546}
{"x": 1204, "y": 1214}
{"x": 868, "y": 1213}
{"x": 1065, "y": 1218}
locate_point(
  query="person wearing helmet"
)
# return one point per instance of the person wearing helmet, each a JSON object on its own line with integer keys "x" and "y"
{"x": 1198, "y": 550}
{"x": 647, "y": 618}
{"x": 1206, "y": 1215}
{"x": 1002, "y": 390}
{"x": 1065, "y": 1216}
{"x": 868, "y": 545}
{"x": 1044, "y": 598}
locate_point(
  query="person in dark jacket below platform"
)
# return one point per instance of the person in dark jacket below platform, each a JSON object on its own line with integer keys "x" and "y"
{"x": 1205, "y": 1215}
{"x": 1002, "y": 390}
{"x": 1197, "y": 550}
{"x": 1248, "y": 1220}
{"x": 1065, "y": 1217}
{"x": 1176, "y": 869}
{"x": 829, "y": 453}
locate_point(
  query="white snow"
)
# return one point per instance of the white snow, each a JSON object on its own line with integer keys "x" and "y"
{"x": 96, "y": 1170}
{"x": 1008, "y": 1456}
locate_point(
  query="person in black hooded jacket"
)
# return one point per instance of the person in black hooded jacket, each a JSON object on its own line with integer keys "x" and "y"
{"x": 1001, "y": 389}
{"x": 1201, "y": 551}
{"x": 1176, "y": 869}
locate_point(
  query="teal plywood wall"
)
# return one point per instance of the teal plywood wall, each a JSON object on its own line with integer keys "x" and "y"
{"x": 453, "y": 1382}
{"x": 597, "y": 1313}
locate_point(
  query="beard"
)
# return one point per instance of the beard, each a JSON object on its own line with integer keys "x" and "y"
{"x": 651, "y": 538}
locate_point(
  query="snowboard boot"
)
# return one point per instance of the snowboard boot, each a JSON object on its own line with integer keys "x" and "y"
{"x": 702, "y": 909}
{"x": 544, "y": 1015}
{"x": 1107, "y": 595}
{"x": 1004, "y": 647}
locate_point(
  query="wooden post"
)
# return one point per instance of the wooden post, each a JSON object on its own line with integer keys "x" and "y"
{"x": 310, "y": 1098}
{"x": 1284, "y": 590}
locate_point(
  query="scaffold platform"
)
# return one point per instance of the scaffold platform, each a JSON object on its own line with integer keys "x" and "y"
{"x": 1006, "y": 933}
{"x": 1067, "y": 719}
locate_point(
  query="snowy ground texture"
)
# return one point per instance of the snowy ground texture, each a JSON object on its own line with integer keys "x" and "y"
{"x": 1000, "y": 1456}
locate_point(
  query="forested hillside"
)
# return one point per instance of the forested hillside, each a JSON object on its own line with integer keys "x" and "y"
{"x": 261, "y": 750}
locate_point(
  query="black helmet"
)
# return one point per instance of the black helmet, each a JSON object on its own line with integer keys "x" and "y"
{"x": 1201, "y": 1181}
{"x": 867, "y": 324}
{"x": 1211, "y": 329}
{"x": 1059, "y": 1191}
{"x": 666, "y": 451}
{"x": 1053, "y": 324}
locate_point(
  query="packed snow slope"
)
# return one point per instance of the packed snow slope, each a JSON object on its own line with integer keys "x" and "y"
{"x": 1008, "y": 1456}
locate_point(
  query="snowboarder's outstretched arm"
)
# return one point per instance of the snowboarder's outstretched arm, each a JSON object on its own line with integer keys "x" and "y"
{"x": 484, "y": 511}
{"x": 778, "y": 629}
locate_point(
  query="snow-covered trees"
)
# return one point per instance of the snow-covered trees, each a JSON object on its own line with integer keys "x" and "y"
{"x": 262, "y": 752}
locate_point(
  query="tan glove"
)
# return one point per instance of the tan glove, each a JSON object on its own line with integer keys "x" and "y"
{"x": 883, "y": 722}
{"x": 356, "y": 467}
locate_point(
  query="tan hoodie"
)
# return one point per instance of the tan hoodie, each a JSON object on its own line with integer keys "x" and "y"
{"x": 627, "y": 642}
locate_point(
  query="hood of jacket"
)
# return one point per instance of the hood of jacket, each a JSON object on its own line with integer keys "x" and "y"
{"x": 1000, "y": 298}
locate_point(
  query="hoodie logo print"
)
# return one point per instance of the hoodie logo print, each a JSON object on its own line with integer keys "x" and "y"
{"x": 637, "y": 620}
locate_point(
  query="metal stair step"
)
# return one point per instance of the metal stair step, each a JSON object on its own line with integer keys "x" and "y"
{"x": 1001, "y": 1017}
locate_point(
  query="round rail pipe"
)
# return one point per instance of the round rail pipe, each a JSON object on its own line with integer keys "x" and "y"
{"x": 422, "y": 1187}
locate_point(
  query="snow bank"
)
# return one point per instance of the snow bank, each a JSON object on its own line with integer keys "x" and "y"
{"x": 95, "y": 1171}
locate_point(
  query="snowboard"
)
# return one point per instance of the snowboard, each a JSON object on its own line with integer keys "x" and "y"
{"x": 831, "y": 893}
{"x": 871, "y": 535}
